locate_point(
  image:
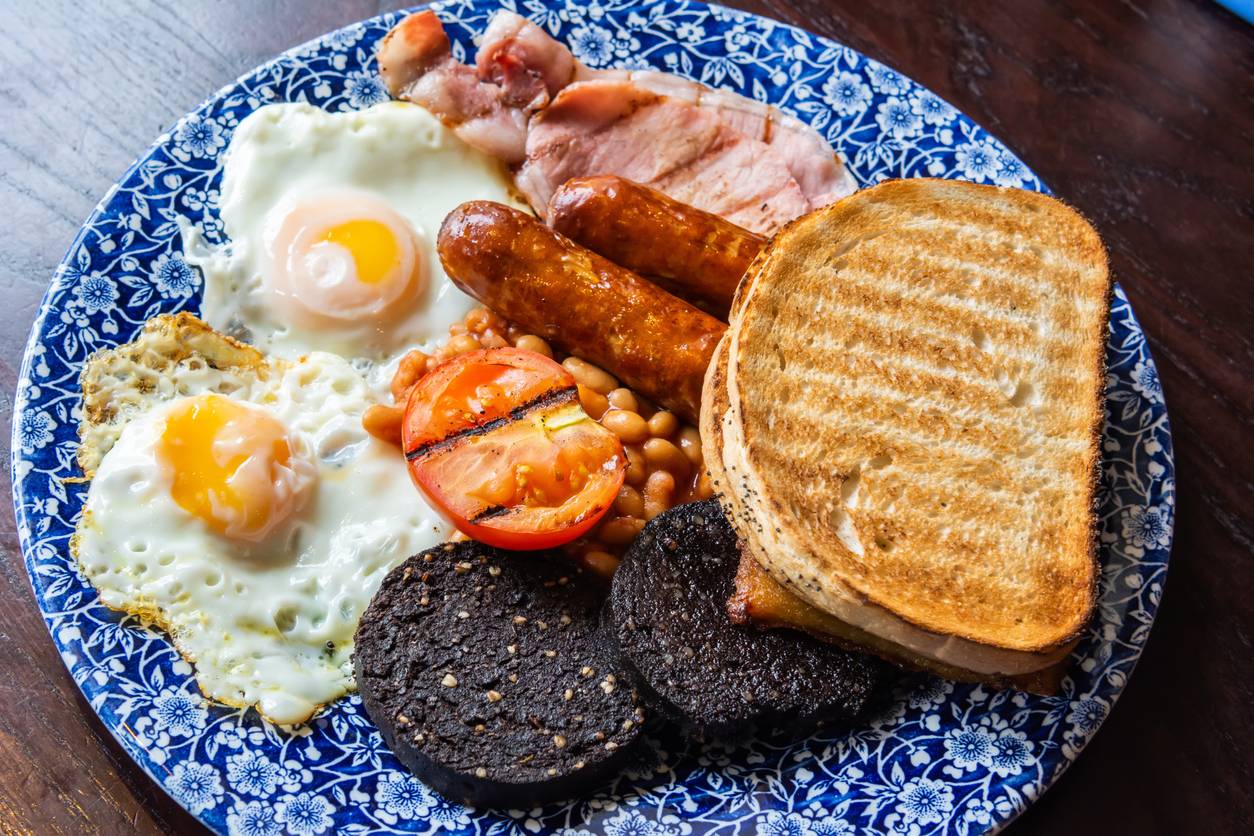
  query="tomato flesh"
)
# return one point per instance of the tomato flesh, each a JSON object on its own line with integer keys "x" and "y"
{"x": 498, "y": 443}
{"x": 477, "y": 387}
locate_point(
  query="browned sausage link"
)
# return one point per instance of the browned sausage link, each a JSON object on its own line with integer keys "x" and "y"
{"x": 694, "y": 254}
{"x": 550, "y": 286}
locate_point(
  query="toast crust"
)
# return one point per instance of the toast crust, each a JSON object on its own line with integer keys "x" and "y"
{"x": 932, "y": 449}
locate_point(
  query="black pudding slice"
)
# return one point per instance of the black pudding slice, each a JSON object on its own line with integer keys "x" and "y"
{"x": 489, "y": 677}
{"x": 668, "y": 610}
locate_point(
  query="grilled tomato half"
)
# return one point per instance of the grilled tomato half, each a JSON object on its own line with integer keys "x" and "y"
{"x": 498, "y": 443}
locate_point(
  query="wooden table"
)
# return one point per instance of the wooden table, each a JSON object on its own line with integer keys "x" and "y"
{"x": 1139, "y": 113}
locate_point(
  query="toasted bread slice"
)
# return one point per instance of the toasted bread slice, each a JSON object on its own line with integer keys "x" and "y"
{"x": 913, "y": 387}
{"x": 759, "y": 599}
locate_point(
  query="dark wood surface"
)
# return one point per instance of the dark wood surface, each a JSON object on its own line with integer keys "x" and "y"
{"x": 1140, "y": 113}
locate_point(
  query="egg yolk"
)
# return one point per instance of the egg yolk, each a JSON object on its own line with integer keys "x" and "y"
{"x": 232, "y": 466}
{"x": 371, "y": 244}
{"x": 343, "y": 256}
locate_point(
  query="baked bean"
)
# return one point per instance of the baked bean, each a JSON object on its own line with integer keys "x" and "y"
{"x": 457, "y": 329}
{"x": 408, "y": 372}
{"x": 495, "y": 321}
{"x": 384, "y": 422}
{"x": 622, "y": 398}
{"x": 603, "y": 563}
{"x": 461, "y": 344}
{"x": 659, "y": 490}
{"x": 530, "y": 342}
{"x": 629, "y": 503}
{"x": 593, "y": 403}
{"x": 690, "y": 442}
{"x": 619, "y": 531}
{"x": 491, "y": 339}
{"x": 661, "y": 454}
{"x": 663, "y": 424}
{"x": 478, "y": 320}
{"x": 628, "y": 426}
{"x": 589, "y": 375}
{"x": 637, "y": 467}
{"x": 704, "y": 488}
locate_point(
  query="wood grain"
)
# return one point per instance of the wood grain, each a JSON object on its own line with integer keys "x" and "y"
{"x": 1138, "y": 112}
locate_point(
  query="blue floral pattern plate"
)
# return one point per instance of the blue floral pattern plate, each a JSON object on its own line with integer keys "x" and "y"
{"x": 939, "y": 757}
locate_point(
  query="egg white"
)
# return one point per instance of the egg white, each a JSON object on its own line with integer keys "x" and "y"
{"x": 283, "y": 153}
{"x": 267, "y": 624}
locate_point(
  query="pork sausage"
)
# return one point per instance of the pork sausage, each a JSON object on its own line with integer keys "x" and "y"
{"x": 653, "y": 342}
{"x": 692, "y": 253}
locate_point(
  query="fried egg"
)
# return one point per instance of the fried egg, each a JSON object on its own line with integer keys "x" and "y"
{"x": 332, "y": 220}
{"x": 236, "y": 501}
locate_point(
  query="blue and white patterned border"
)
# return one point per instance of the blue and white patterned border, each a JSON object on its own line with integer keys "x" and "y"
{"x": 941, "y": 758}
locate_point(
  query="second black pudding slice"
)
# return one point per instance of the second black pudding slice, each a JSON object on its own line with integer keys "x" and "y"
{"x": 668, "y": 610}
{"x": 489, "y": 676}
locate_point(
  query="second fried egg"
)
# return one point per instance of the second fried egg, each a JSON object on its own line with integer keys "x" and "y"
{"x": 236, "y": 501}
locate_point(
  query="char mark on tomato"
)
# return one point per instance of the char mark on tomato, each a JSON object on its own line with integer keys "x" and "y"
{"x": 489, "y": 513}
{"x": 552, "y": 398}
